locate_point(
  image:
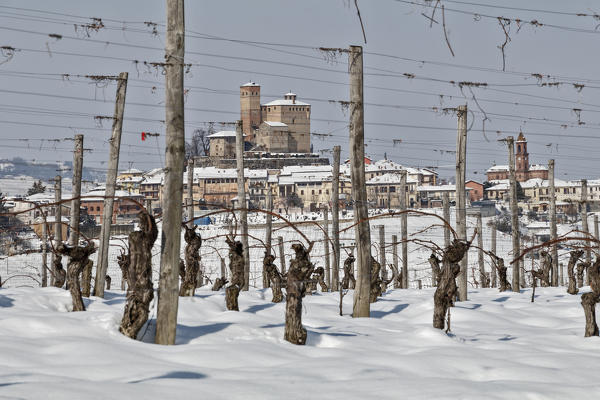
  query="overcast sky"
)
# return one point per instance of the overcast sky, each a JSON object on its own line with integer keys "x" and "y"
{"x": 399, "y": 115}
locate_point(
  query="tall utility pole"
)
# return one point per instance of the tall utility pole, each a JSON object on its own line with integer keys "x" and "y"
{"x": 326, "y": 246}
{"x": 168, "y": 288}
{"x": 584, "y": 223}
{"x": 404, "y": 228}
{"x": 553, "y": 234}
{"x": 482, "y": 275}
{"x": 190, "y": 190}
{"x": 461, "y": 201}
{"x": 268, "y": 234}
{"x": 111, "y": 180}
{"x": 335, "y": 216}
{"x": 76, "y": 194}
{"x": 44, "y": 250}
{"x": 446, "y": 208}
{"x": 362, "y": 306}
{"x": 57, "y": 221}
{"x": 242, "y": 205}
{"x": 493, "y": 250}
{"x": 596, "y": 233}
{"x": 514, "y": 213}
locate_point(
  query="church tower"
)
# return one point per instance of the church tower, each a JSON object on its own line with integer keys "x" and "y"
{"x": 250, "y": 109}
{"x": 522, "y": 159}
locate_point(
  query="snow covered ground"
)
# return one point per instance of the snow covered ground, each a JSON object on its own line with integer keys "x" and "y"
{"x": 501, "y": 346}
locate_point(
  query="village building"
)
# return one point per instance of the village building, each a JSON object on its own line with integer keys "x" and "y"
{"x": 476, "y": 193}
{"x": 126, "y": 206}
{"x": 383, "y": 191}
{"x": 432, "y": 196}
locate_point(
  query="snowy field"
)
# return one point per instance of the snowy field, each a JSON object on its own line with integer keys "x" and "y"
{"x": 501, "y": 347}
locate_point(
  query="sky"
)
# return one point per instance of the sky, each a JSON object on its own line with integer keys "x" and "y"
{"x": 410, "y": 76}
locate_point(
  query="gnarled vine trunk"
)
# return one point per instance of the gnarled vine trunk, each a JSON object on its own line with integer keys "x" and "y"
{"x": 140, "y": 291}
{"x": 219, "y": 283}
{"x": 504, "y": 283}
{"x": 319, "y": 277}
{"x": 274, "y": 277}
{"x": 349, "y": 282}
{"x": 375, "y": 290}
{"x": 574, "y": 256}
{"x": 123, "y": 261}
{"x": 435, "y": 269}
{"x": 300, "y": 270}
{"x": 192, "y": 262}
{"x": 589, "y": 300}
{"x": 236, "y": 266}
{"x": 86, "y": 279}
{"x": 78, "y": 259}
{"x": 60, "y": 275}
{"x": 581, "y": 268}
{"x": 446, "y": 291}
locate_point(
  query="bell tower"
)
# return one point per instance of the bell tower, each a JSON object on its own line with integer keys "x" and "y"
{"x": 522, "y": 159}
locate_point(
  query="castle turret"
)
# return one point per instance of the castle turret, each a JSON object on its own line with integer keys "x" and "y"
{"x": 250, "y": 109}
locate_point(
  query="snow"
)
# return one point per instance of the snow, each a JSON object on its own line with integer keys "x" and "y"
{"x": 285, "y": 102}
{"x": 276, "y": 124}
{"x": 501, "y": 346}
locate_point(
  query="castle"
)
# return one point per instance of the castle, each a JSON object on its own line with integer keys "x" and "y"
{"x": 280, "y": 126}
{"x": 523, "y": 170}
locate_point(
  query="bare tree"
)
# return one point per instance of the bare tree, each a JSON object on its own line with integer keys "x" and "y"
{"x": 199, "y": 144}
{"x": 574, "y": 256}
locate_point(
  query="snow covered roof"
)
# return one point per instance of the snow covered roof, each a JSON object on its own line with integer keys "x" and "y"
{"x": 538, "y": 167}
{"x": 388, "y": 179}
{"x": 534, "y": 183}
{"x": 498, "y": 168}
{"x": 440, "y": 188}
{"x": 276, "y": 124}
{"x": 502, "y": 185}
{"x": 132, "y": 171}
{"x": 222, "y": 134}
{"x": 286, "y": 102}
{"x": 291, "y": 169}
{"x": 100, "y": 194}
{"x": 290, "y": 94}
{"x": 249, "y": 84}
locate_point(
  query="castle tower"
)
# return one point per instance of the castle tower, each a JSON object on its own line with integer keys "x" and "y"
{"x": 250, "y": 108}
{"x": 522, "y": 159}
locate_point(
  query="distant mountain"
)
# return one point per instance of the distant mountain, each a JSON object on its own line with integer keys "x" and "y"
{"x": 17, "y": 174}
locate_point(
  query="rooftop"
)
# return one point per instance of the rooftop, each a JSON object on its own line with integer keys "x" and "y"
{"x": 249, "y": 84}
{"x": 276, "y": 124}
{"x": 286, "y": 102}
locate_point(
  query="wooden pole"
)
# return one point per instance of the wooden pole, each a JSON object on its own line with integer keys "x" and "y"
{"x": 514, "y": 212}
{"x": 223, "y": 268}
{"x": 268, "y": 234}
{"x": 190, "y": 192}
{"x": 482, "y": 275}
{"x": 446, "y": 208}
{"x": 596, "y": 232}
{"x": 242, "y": 204}
{"x": 584, "y": 224}
{"x": 281, "y": 253}
{"x": 335, "y": 216}
{"x": 76, "y": 193}
{"x": 57, "y": 222}
{"x": 326, "y": 246}
{"x": 404, "y": 229}
{"x": 382, "y": 260}
{"x": 168, "y": 288}
{"x": 461, "y": 204}
{"x": 362, "y": 306}
{"x": 111, "y": 180}
{"x": 562, "y": 274}
{"x": 493, "y": 250}
{"x": 395, "y": 257}
{"x": 44, "y": 251}
{"x": 553, "y": 234}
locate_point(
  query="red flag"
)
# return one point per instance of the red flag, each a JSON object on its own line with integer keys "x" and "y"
{"x": 143, "y": 135}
